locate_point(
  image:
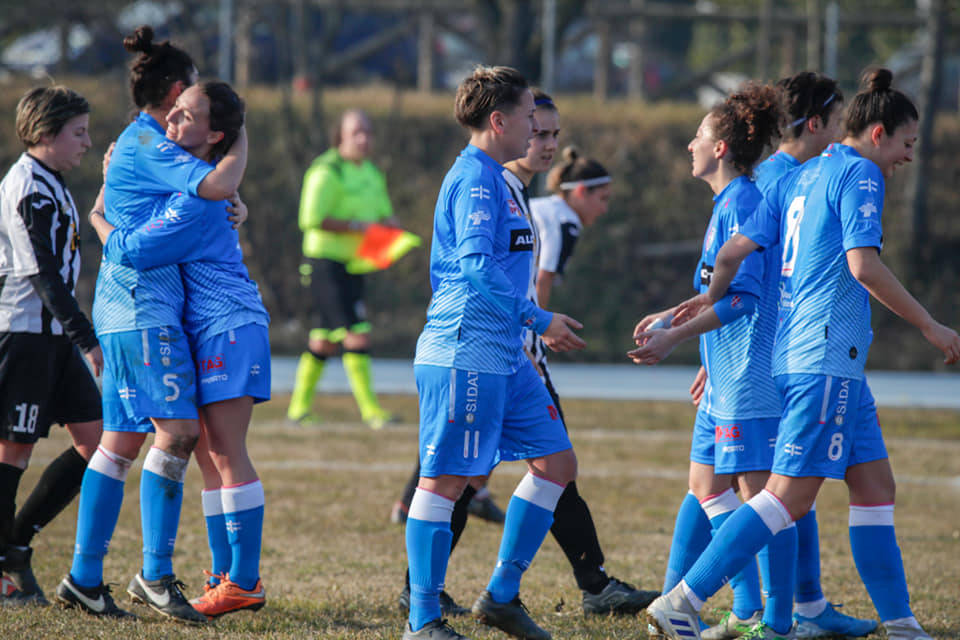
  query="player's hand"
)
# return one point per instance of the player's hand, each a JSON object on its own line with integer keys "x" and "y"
{"x": 698, "y": 386}
{"x": 690, "y": 308}
{"x": 945, "y": 339}
{"x": 660, "y": 320}
{"x": 238, "y": 211}
{"x": 657, "y": 345}
{"x": 106, "y": 159}
{"x": 560, "y": 337}
{"x": 95, "y": 358}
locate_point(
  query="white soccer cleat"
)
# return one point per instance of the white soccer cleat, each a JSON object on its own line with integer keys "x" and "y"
{"x": 905, "y": 629}
{"x": 672, "y": 616}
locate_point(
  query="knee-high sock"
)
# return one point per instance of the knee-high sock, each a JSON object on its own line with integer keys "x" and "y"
{"x": 101, "y": 494}
{"x": 57, "y": 487}
{"x": 529, "y": 516}
{"x": 877, "y": 556}
{"x": 778, "y": 562}
{"x": 309, "y": 370}
{"x": 161, "y": 495}
{"x": 356, "y": 364}
{"x": 738, "y": 540}
{"x": 577, "y": 535}
{"x": 809, "y": 591}
{"x": 746, "y": 584}
{"x": 428, "y": 550}
{"x": 217, "y": 539}
{"x": 243, "y": 512}
{"x": 9, "y": 481}
{"x": 458, "y": 521}
{"x": 691, "y": 535}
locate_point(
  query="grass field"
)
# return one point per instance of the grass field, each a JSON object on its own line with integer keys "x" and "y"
{"x": 333, "y": 564}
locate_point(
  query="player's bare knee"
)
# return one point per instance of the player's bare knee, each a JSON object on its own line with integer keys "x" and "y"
{"x": 15, "y": 454}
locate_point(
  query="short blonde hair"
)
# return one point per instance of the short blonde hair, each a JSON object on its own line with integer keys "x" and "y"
{"x": 486, "y": 90}
{"x": 45, "y": 110}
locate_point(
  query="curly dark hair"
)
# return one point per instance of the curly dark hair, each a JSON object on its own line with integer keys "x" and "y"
{"x": 877, "y": 101}
{"x": 157, "y": 68}
{"x": 486, "y": 90}
{"x": 806, "y": 95}
{"x": 747, "y": 121}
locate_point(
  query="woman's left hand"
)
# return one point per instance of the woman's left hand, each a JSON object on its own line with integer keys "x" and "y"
{"x": 238, "y": 211}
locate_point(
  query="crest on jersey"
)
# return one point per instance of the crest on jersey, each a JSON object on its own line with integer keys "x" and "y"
{"x": 514, "y": 209}
{"x": 479, "y": 216}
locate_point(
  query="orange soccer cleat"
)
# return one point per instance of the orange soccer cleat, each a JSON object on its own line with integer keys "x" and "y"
{"x": 228, "y": 597}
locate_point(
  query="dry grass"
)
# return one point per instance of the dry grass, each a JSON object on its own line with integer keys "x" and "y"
{"x": 333, "y": 564}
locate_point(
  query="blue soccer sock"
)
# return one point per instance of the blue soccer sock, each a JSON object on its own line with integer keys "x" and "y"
{"x": 101, "y": 494}
{"x": 691, "y": 535}
{"x": 529, "y": 516}
{"x": 161, "y": 494}
{"x": 809, "y": 595}
{"x": 873, "y": 541}
{"x": 243, "y": 514}
{"x": 428, "y": 550}
{"x": 746, "y": 584}
{"x": 778, "y": 562}
{"x": 744, "y": 533}
{"x": 216, "y": 534}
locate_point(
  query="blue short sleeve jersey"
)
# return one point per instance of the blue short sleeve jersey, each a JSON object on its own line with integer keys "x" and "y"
{"x": 477, "y": 216}
{"x": 196, "y": 234}
{"x": 772, "y": 169}
{"x": 737, "y": 355}
{"x": 144, "y": 169}
{"x": 829, "y": 205}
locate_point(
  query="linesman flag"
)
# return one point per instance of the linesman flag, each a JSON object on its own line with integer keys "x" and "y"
{"x": 381, "y": 247}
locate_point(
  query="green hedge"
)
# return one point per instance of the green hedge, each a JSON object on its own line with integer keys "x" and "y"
{"x": 614, "y": 278}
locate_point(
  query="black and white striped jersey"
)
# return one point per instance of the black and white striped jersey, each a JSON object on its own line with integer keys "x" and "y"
{"x": 559, "y": 227}
{"x": 40, "y": 255}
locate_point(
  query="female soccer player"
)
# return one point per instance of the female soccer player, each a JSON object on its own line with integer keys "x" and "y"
{"x": 149, "y": 379}
{"x": 43, "y": 378}
{"x": 826, "y": 217}
{"x": 813, "y": 105}
{"x": 226, "y": 323}
{"x": 581, "y": 188}
{"x": 480, "y": 397}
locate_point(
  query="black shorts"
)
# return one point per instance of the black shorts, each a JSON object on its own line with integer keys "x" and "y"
{"x": 335, "y": 297}
{"x": 43, "y": 379}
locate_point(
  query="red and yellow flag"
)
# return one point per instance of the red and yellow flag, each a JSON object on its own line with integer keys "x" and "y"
{"x": 381, "y": 247}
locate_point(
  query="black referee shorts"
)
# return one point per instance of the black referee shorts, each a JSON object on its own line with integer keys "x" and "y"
{"x": 335, "y": 298}
{"x": 43, "y": 379}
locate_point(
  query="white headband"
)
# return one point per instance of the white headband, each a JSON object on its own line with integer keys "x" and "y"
{"x": 590, "y": 182}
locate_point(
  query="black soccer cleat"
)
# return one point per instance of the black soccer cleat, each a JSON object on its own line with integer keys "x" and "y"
{"x": 510, "y": 617}
{"x": 17, "y": 566}
{"x": 164, "y": 596}
{"x": 618, "y": 598}
{"x": 436, "y": 630}
{"x": 96, "y": 601}
{"x": 448, "y": 606}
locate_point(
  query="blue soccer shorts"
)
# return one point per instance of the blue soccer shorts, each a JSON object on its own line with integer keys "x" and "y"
{"x": 470, "y": 421}
{"x": 828, "y": 424}
{"x": 147, "y": 373}
{"x": 733, "y": 446}
{"x": 234, "y": 364}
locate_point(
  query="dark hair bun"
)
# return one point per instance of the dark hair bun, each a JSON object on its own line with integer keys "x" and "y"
{"x": 569, "y": 154}
{"x": 877, "y": 79}
{"x": 141, "y": 40}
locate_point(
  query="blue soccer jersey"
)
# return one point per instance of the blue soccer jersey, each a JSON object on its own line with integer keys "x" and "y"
{"x": 475, "y": 320}
{"x": 737, "y": 355}
{"x": 144, "y": 169}
{"x": 828, "y": 206}
{"x": 771, "y": 169}
{"x": 195, "y": 233}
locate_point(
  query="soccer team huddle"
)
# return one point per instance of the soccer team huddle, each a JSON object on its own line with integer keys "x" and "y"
{"x": 790, "y": 258}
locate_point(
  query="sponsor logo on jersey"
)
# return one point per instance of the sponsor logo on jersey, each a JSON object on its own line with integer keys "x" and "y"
{"x": 163, "y": 336}
{"x": 727, "y": 432}
{"x": 521, "y": 240}
{"x": 552, "y": 410}
{"x": 472, "y": 394}
{"x": 868, "y": 208}
{"x": 711, "y": 236}
{"x": 734, "y": 448}
{"x": 514, "y": 209}
{"x": 793, "y": 449}
{"x": 220, "y": 377}
{"x": 478, "y": 217}
{"x": 480, "y": 192}
{"x": 127, "y": 393}
{"x": 869, "y": 185}
{"x": 843, "y": 398}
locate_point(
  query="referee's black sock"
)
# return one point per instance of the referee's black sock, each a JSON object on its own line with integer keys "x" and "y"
{"x": 9, "y": 481}
{"x": 59, "y": 484}
{"x": 576, "y": 534}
